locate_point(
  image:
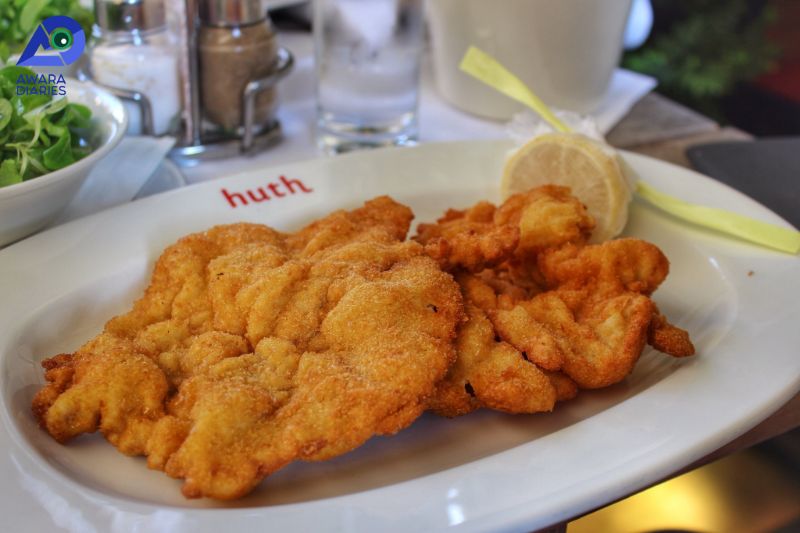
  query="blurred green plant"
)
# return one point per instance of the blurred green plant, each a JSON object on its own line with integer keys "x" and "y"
{"x": 700, "y": 50}
{"x": 18, "y": 19}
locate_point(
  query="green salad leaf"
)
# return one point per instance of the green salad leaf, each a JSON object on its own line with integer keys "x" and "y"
{"x": 9, "y": 173}
{"x": 19, "y": 18}
{"x": 59, "y": 155}
{"x": 38, "y": 134}
{"x": 29, "y": 16}
{"x": 5, "y": 113}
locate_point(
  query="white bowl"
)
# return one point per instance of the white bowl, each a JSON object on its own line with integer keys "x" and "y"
{"x": 29, "y": 206}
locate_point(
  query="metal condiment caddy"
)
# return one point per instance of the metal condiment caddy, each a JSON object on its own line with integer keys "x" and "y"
{"x": 198, "y": 144}
{"x": 198, "y": 139}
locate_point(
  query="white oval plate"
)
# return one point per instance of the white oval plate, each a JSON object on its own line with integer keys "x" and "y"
{"x": 485, "y": 471}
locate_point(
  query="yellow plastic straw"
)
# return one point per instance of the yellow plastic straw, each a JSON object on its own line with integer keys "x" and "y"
{"x": 481, "y": 65}
{"x": 487, "y": 69}
{"x": 783, "y": 239}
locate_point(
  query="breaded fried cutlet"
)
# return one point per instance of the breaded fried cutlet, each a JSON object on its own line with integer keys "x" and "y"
{"x": 253, "y": 348}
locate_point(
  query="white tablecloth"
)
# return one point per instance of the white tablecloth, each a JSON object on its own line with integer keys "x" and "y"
{"x": 438, "y": 121}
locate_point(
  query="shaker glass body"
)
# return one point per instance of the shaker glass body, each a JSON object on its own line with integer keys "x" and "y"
{"x": 143, "y": 62}
{"x": 230, "y": 57}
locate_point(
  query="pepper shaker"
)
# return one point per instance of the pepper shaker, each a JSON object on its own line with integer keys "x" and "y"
{"x": 236, "y": 44}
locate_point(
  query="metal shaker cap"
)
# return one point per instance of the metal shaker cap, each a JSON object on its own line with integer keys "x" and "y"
{"x": 228, "y": 13}
{"x": 129, "y": 15}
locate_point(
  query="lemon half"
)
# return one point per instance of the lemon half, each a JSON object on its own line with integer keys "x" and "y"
{"x": 593, "y": 171}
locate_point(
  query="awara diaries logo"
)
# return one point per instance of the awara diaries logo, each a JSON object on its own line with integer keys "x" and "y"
{"x": 58, "y": 33}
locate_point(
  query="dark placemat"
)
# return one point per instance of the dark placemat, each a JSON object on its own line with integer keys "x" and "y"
{"x": 767, "y": 170}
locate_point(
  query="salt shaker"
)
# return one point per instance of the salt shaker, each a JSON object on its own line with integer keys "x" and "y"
{"x": 236, "y": 45}
{"x": 132, "y": 51}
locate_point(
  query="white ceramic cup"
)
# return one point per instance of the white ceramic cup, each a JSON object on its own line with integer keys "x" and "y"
{"x": 565, "y": 50}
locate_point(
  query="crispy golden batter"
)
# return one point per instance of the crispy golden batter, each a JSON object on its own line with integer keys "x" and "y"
{"x": 622, "y": 264}
{"x": 469, "y": 239}
{"x": 546, "y": 216}
{"x": 566, "y": 388}
{"x": 595, "y": 342}
{"x": 488, "y": 371}
{"x": 556, "y": 307}
{"x": 484, "y": 236}
{"x": 667, "y": 338}
{"x": 597, "y": 311}
{"x": 251, "y": 349}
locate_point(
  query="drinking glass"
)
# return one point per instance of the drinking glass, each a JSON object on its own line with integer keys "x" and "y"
{"x": 367, "y": 55}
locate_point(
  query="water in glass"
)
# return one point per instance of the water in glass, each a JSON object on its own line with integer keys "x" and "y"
{"x": 367, "y": 61}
